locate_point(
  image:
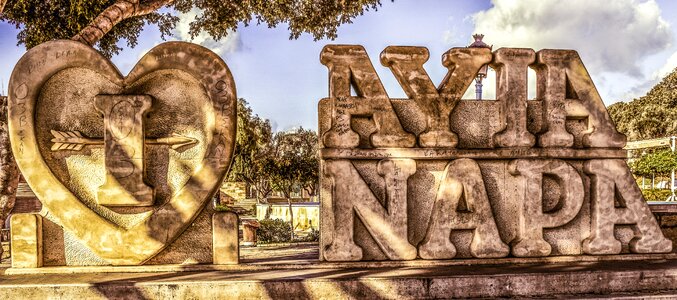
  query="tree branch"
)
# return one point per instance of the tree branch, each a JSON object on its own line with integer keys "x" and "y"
{"x": 150, "y": 6}
{"x": 114, "y": 14}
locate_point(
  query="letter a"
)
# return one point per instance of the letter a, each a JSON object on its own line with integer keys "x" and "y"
{"x": 462, "y": 178}
{"x": 611, "y": 181}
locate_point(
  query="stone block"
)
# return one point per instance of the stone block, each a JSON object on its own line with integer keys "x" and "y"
{"x": 127, "y": 166}
{"x": 486, "y": 178}
{"x": 225, "y": 238}
{"x": 26, "y": 240}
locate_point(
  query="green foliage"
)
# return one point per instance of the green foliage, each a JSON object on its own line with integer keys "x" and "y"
{"x": 296, "y": 163}
{"x": 660, "y": 162}
{"x": 321, "y": 18}
{"x": 312, "y": 236}
{"x": 220, "y": 207}
{"x": 41, "y": 21}
{"x": 253, "y": 156}
{"x": 285, "y": 161}
{"x": 273, "y": 231}
{"x": 656, "y": 194}
{"x": 651, "y": 116}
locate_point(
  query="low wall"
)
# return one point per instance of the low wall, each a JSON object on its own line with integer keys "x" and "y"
{"x": 306, "y": 215}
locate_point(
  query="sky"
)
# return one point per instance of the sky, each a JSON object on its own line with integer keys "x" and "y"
{"x": 626, "y": 45}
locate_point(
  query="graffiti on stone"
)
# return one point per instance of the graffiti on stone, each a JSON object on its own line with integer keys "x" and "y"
{"x": 434, "y": 176}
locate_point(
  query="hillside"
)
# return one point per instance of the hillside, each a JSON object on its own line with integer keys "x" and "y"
{"x": 650, "y": 116}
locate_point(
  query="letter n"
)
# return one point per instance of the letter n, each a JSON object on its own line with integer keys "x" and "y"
{"x": 352, "y": 197}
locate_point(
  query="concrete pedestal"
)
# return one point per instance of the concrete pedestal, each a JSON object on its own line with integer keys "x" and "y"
{"x": 392, "y": 280}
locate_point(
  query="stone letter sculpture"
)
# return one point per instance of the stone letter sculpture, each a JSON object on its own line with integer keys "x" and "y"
{"x": 124, "y": 166}
{"x": 437, "y": 177}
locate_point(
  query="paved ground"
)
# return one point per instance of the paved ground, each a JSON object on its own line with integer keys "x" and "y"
{"x": 656, "y": 279}
{"x": 293, "y": 271}
{"x": 263, "y": 254}
{"x": 281, "y": 253}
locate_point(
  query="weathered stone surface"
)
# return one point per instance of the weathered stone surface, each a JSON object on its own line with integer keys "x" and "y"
{"x": 644, "y": 279}
{"x": 124, "y": 150}
{"x": 616, "y": 199}
{"x": 511, "y": 67}
{"x": 532, "y": 217}
{"x": 406, "y": 64}
{"x": 569, "y": 94}
{"x": 348, "y": 64}
{"x": 485, "y": 173}
{"x": 123, "y": 165}
{"x": 26, "y": 234}
{"x": 462, "y": 203}
{"x": 388, "y": 227}
{"x": 225, "y": 238}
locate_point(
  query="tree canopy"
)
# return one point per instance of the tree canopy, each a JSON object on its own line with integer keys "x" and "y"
{"x": 660, "y": 162}
{"x": 283, "y": 161}
{"x": 296, "y": 162}
{"x": 653, "y": 115}
{"x": 253, "y": 155}
{"x": 104, "y": 22}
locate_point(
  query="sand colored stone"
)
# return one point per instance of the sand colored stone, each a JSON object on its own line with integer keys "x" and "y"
{"x": 124, "y": 166}
{"x": 484, "y": 178}
{"x": 225, "y": 238}
{"x": 26, "y": 231}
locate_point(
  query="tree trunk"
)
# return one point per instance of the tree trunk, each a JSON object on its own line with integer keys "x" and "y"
{"x": 9, "y": 173}
{"x": 114, "y": 14}
{"x": 291, "y": 215}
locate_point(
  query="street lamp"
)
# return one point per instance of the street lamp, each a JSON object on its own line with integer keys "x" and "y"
{"x": 482, "y": 73}
{"x": 673, "y": 147}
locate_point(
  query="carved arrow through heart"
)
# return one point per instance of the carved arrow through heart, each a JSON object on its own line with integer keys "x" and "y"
{"x": 74, "y": 140}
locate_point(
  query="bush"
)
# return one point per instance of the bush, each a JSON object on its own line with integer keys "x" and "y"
{"x": 222, "y": 208}
{"x": 312, "y": 236}
{"x": 273, "y": 231}
{"x": 656, "y": 194}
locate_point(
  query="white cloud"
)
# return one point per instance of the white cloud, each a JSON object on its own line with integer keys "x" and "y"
{"x": 667, "y": 68}
{"x": 615, "y": 39}
{"x": 641, "y": 88}
{"x": 489, "y": 86}
{"x": 612, "y": 36}
{"x": 226, "y": 45}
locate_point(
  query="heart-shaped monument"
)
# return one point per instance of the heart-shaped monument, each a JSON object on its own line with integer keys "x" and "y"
{"x": 123, "y": 164}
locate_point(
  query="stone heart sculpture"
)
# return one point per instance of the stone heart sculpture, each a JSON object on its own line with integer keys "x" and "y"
{"x": 123, "y": 164}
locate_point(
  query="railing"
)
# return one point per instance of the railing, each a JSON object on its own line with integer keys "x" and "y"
{"x": 663, "y": 207}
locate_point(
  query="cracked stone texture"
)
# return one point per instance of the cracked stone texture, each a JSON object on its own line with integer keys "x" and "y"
{"x": 538, "y": 175}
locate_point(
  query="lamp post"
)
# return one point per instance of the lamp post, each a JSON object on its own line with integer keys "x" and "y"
{"x": 672, "y": 197}
{"x": 482, "y": 73}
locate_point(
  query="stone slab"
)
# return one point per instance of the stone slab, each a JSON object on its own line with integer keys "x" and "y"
{"x": 27, "y": 241}
{"x": 648, "y": 279}
{"x": 225, "y": 238}
{"x": 296, "y": 262}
